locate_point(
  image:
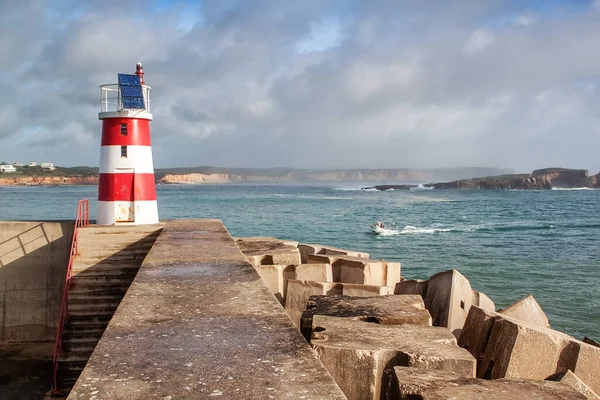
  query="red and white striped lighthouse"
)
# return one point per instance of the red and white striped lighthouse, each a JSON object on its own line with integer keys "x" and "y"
{"x": 126, "y": 189}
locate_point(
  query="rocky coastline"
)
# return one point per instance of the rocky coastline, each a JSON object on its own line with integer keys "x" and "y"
{"x": 47, "y": 180}
{"x": 541, "y": 179}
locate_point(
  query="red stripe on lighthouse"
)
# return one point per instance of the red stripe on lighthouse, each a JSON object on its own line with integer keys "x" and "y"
{"x": 126, "y": 187}
{"x": 138, "y": 132}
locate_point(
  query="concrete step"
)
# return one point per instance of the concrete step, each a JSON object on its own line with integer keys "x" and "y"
{"x": 84, "y": 333}
{"x": 83, "y": 279}
{"x": 88, "y": 321}
{"x": 113, "y": 270}
{"x": 100, "y": 229}
{"x": 81, "y": 297}
{"x": 90, "y": 313}
{"x": 91, "y": 307}
{"x": 98, "y": 288}
{"x": 71, "y": 341}
{"x": 69, "y": 364}
{"x": 79, "y": 348}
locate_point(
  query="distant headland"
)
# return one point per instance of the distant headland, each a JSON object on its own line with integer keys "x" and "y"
{"x": 547, "y": 178}
{"x": 395, "y": 178}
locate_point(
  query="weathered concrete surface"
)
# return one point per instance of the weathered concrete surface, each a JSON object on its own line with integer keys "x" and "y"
{"x": 276, "y": 278}
{"x": 197, "y": 322}
{"x": 449, "y": 297}
{"x": 570, "y": 379}
{"x": 507, "y": 347}
{"x": 270, "y": 251}
{"x": 311, "y": 249}
{"x": 33, "y": 265}
{"x": 25, "y": 370}
{"x": 385, "y": 310}
{"x": 298, "y": 293}
{"x": 359, "y": 355}
{"x": 355, "y": 289}
{"x": 411, "y": 384}
{"x": 349, "y": 269}
{"x": 476, "y": 331}
{"x": 412, "y": 286}
{"x": 587, "y": 366}
{"x": 527, "y": 309}
{"x": 481, "y": 300}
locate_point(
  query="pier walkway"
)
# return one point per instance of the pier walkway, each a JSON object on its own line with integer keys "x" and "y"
{"x": 197, "y": 322}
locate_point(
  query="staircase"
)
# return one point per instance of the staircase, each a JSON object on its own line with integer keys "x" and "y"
{"x": 107, "y": 261}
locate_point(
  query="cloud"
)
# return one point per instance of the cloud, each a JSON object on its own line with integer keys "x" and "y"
{"x": 313, "y": 84}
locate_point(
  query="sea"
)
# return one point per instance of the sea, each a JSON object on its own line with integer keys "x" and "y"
{"x": 509, "y": 244}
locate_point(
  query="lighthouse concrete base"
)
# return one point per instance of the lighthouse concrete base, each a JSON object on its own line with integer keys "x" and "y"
{"x": 127, "y": 212}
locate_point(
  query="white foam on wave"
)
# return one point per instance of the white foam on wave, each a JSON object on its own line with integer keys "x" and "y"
{"x": 410, "y": 229}
{"x": 350, "y": 189}
{"x": 582, "y": 188}
{"x": 421, "y": 187}
{"x": 370, "y": 190}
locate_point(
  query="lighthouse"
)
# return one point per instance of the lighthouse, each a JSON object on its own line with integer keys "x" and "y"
{"x": 126, "y": 188}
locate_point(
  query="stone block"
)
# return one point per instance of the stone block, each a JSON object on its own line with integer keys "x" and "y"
{"x": 587, "y": 367}
{"x": 298, "y": 293}
{"x": 360, "y": 355}
{"x": 269, "y": 251}
{"x": 412, "y": 286}
{"x": 276, "y": 277}
{"x": 384, "y": 310}
{"x": 411, "y": 384}
{"x": 393, "y": 270}
{"x": 449, "y": 297}
{"x": 313, "y": 272}
{"x": 476, "y": 331}
{"x": 519, "y": 349}
{"x": 527, "y": 309}
{"x": 570, "y": 379}
{"x": 481, "y": 300}
{"x": 312, "y": 249}
{"x": 355, "y": 289}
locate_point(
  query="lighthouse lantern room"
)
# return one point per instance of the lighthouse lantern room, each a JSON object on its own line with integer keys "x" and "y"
{"x": 126, "y": 189}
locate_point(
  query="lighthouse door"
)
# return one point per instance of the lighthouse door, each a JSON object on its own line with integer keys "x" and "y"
{"x": 124, "y": 195}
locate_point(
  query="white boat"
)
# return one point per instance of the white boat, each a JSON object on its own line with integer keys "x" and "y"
{"x": 384, "y": 229}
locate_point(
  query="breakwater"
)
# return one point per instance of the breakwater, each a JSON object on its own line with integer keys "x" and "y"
{"x": 384, "y": 337}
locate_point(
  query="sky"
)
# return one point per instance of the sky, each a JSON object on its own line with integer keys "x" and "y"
{"x": 310, "y": 84}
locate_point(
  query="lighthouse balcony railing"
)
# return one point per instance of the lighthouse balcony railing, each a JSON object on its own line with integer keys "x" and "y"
{"x": 111, "y": 100}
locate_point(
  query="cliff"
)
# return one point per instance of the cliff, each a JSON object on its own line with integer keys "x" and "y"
{"x": 289, "y": 175}
{"x": 18, "y": 180}
{"x": 547, "y": 178}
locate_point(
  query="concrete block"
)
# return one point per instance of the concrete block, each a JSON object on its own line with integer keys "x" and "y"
{"x": 269, "y": 251}
{"x": 412, "y": 286}
{"x": 313, "y": 272}
{"x": 355, "y": 289}
{"x": 384, "y": 310}
{"x": 587, "y": 367}
{"x": 527, "y": 309}
{"x": 393, "y": 270}
{"x": 481, "y": 300}
{"x": 298, "y": 293}
{"x": 410, "y": 384}
{"x": 476, "y": 331}
{"x": 519, "y": 349}
{"x": 449, "y": 297}
{"x": 312, "y": 249}
{"x": 360, "y": 355}
{"x": 590, "y": 341}
{"x": 276, "y": 277}
{"x": 570, "y": 379}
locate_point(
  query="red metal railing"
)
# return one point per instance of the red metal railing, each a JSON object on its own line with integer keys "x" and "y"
{"x": 81, "y": 219}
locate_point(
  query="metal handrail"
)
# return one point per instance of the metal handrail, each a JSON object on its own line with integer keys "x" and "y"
{"x": 111, "y": 100}
{"x": 82, "y": 219}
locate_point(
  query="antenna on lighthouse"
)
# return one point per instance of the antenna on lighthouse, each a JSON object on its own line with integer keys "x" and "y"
{"x": 139, "y": 71}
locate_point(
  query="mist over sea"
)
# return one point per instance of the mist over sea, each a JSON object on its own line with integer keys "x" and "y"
{"x": 507, "y": 243}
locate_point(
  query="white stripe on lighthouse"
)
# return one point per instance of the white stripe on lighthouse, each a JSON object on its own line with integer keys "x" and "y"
{"x": 138, "y": 158}
{"x": 146, "y": 212}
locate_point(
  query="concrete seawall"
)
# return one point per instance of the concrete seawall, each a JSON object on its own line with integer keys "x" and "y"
{"x": 198, "y": 322}
{"x": 33, "y": 265}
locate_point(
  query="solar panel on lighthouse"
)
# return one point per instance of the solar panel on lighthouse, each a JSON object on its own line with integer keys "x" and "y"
{"x": 131, "y": 92}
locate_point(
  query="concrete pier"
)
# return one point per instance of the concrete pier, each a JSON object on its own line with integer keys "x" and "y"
{"x": 198, "y": 322}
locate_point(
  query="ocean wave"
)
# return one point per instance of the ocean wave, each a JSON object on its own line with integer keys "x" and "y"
{"x": 421, "y": 187}
{"x": 582, "y": 188}
{"x": 437, "y": 228}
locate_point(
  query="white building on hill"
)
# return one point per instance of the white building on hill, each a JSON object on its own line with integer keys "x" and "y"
{"x": 32, "y": 164}
{"x": 47, "y": 165}
{"x": 7, "y": 169}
